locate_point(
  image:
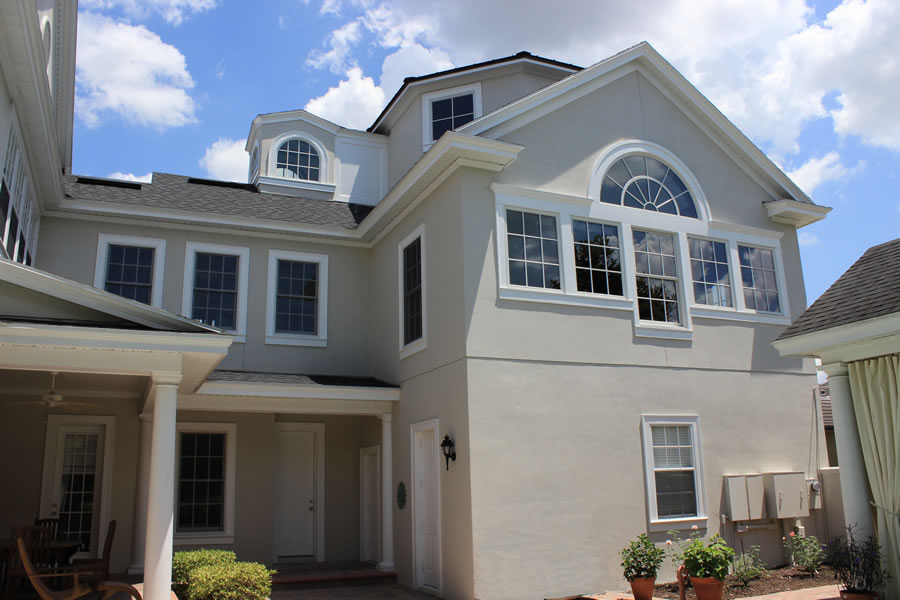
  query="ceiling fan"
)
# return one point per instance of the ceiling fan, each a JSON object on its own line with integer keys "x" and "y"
{"x": 53, "y": 399}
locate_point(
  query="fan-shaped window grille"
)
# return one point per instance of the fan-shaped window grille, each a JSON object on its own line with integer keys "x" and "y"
{"x": 297, "y": 160}
{"x": 643, "y": 182}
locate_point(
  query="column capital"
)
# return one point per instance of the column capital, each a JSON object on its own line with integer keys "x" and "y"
{"x": 837, "y": 369}
{"x": 166, "y": 378}
{"x": 386, "y": 417}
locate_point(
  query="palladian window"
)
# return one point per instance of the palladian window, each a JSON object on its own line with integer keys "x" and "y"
{"x": 643, "y": 182}
{"x": 297, "y": 160}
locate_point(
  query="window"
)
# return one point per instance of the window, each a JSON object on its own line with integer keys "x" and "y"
{"x": 297, "y": 159}
{"x": 644, "y": 182}
{"x": 215, "y": 286}
{"x": 449, "y": 109}
{"x": 296, "y": 312}
{"x": 411, "y": 277}
{"x": 758, "y": 277}
{"x": 597, "y": 266}
{"x": 4, "y": 207}
{"x": 206, "y": 483}
{"x": 656, "y": 275}
{"x": 709, "y": 271}
{"x": 673, "y": 470}
{"x": 12, "y": 233}
{"x": 254, "y": 163}
{"x": 131, "y": 267}
{"x": 533, "y": 249}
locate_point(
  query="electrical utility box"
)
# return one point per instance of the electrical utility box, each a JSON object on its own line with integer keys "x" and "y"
{"x": 787, "y": 494}
{"x": 745, "y": 496}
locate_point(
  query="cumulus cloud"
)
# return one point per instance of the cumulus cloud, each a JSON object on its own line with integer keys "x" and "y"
{"x": 410, "y": 61}
{"x": 226, "y": 159}
{"x": 807, "y": 239}
{"x": 817, "y": 171}
{"x": 132, "y": 177}
{"x": 173, "y": 11}
{"x": 353, "y": 103}
{"x": 340, "y": 42}
{"x": 129, "y": 71}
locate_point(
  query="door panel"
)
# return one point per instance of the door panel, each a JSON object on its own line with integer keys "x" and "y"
{"x": 370, "y": 504}
{"x": 296, "y": 494}
{"x": 426, "y": 506}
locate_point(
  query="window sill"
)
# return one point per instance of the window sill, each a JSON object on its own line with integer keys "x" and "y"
{"x": 731, "y": 314}
{"x": 645, "y": 329}
{"x": 678, "y": 524}
{"x": 202, "y": 538}
{"x": 551, "y": 296}
{"x": 413, "y": 348}
{"x": 296, "y": 340}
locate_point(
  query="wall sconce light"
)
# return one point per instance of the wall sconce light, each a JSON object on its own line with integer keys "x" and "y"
{"x": 449, "y": 452}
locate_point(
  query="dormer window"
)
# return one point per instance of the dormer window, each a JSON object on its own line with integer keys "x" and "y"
{"x": 446, "y": 110}
{"x": 297, "y": 159}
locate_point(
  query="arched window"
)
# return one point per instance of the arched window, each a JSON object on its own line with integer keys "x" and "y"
{"x": 297, "y": 159}
{"x": 643, "y": 182}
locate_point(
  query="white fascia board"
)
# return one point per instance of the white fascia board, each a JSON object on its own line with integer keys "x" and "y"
{"x": 291, "y": 116}
{"x": 797, "y": 214}
{"x": 871, "y": 337}
{"x": 251, "y": 389}
{"x": 99, "y": 300}
{"x": 306, "y": 406}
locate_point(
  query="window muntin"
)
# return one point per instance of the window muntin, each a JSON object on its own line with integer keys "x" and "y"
{"x": 297, "y": 159}
{"x": 758, "y": 277}
{"x": 709, "y": 272}
{"x": 643, "y": 182}
{"x": 412, "y": 291}
{"x": 215, "y": 289}
{"x": 656, "y": 275}
{"x": 598, "y": 268}
{"x": 201, "y": 481}
{"x": 129, "y": 272}
{"x": 533, "y": 249}
{"x": 674, "y": 471}
{"x": 296, "y": 299}
{"x": 450, "y": 113}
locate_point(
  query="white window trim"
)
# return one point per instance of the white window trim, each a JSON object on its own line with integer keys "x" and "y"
{"x": 655, "y": 523}
{"x": 104, "y": 241}
{"x": 254, "y": 173}
{"x": 226, "y": 536}
{"x": 427, "y": 99}
{"x": 779, "y": 279}
{"x": 190, "y": 260}
{"x": 298, "y": 339}
{"x": 324, "y": 171}
{"x": 421, "y": 343}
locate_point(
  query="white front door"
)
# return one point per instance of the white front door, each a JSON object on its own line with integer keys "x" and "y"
{"x": 295, "y": 480}
{"x": 426, "y": 495}
{"x": 369, "y": 503}
{"x": 75, "y": 478}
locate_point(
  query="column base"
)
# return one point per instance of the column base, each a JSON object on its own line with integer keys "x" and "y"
{"x": 385, "y": 566}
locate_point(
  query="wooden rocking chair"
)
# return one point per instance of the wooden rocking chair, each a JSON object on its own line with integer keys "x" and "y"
{"x": 102, "y": 589}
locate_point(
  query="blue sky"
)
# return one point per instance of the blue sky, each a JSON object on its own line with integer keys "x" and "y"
{"x": 172, "y": 85}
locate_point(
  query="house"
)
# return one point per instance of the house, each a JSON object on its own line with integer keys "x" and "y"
{"x": 566, "y": 279}
{"x": 855, "y": 333}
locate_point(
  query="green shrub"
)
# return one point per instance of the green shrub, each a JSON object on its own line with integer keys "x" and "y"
{"x": 235, "y": 581}
{"x": 748, "y": 566}
{"x": 185, "y": 562}
{"x": 641, "y": 558}
{"x": 805, "y": 551}
{"x": 711, "y": 560}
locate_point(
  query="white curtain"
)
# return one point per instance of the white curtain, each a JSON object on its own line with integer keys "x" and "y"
{"x": 875, "y": 386}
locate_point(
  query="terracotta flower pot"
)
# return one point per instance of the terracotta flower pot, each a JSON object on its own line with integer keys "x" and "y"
{"x": 708, "y": 588}
{"x": 846, "y": 595}
{"x": 642, "y": 587}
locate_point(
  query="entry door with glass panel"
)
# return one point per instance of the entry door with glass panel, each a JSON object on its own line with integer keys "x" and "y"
{"x": 75, "y": 493}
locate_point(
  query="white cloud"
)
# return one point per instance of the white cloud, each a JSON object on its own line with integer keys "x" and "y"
{"x": 340, "y": 42}
{"x": 131, "y": 176}
{"x": 816, "y": 171}
{"x": 807, "y": 239}
{"x": 220, "y": 70}
{"x": 226, "y": 159}
{"x": 410, "y": 61}
{"x": 354, "y": 103}
{"x": 173, "y": 11}
{"x": 128, "y": 70}
{"x": 330, "y": 7}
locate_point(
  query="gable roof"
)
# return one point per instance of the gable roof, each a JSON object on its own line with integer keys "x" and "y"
{"x": 640, "y": 56}
{"x": 522, "y": 57}
{"x": 870, "y": 288}
{"x": 179, "y": 192}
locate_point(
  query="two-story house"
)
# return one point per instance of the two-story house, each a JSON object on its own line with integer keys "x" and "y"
{"x": 571, "y": 276}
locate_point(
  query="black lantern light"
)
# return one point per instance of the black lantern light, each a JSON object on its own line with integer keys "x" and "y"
{"x": 449, "y": 452}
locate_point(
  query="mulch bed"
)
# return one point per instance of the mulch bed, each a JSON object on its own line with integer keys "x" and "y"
{"x": 777, "y": 580}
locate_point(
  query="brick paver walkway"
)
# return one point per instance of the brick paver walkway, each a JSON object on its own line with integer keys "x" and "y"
{"x": 351, "y": 592}
{"x": 825, "y": 592}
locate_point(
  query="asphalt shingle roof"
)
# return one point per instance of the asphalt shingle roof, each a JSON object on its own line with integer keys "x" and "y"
{"x": 179, "y": 192}
{"x": 323, "y": 380}
{"x": 870, "y": 288}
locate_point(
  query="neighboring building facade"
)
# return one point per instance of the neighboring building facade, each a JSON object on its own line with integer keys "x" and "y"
{"x": 575, "y": 274}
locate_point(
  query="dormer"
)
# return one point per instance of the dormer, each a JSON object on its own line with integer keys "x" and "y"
{"x": 296, "y": 153}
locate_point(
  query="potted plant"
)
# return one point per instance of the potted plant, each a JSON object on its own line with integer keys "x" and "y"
{"x": 640, "y": 562}
{"x": 706, "y": 565}
{"x": 856, "y": 566}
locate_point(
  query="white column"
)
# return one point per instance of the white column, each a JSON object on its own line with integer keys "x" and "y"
{"x": 140, "y": 499}
{"x": 161, "y": 496}
{"x": 387, "y": 496}
{"x": 854, "y": 483}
